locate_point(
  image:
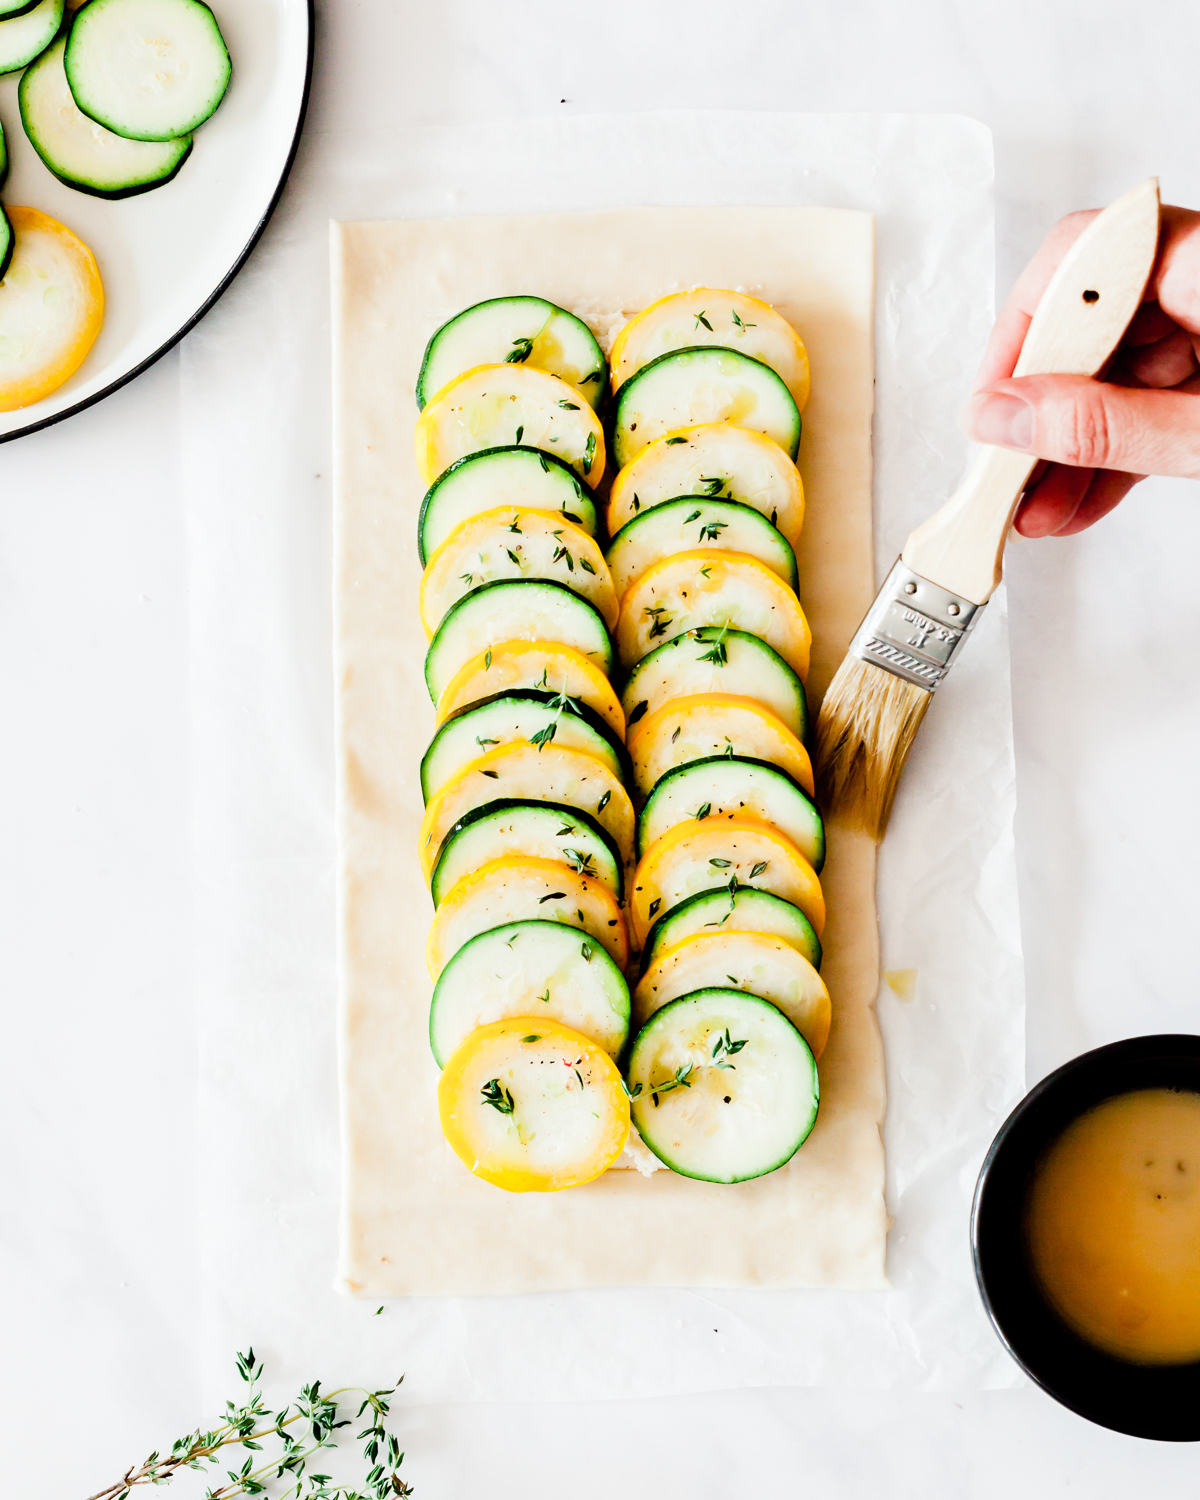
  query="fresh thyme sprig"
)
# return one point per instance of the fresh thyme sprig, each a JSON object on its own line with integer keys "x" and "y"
{"x": 250, "y": 1424}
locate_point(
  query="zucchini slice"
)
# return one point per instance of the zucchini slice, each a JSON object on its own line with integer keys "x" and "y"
{"x": 719, "y": 462}
{"x": 151, "y": 70}
{"x": 751, "y": 961}
{"x": 698, "y": 588}
{"x": 81, "y": 153}
{"x": 714, "y": 660}
{"x": 515, "y": 543}
{"x": 495, "y": 405}
{"x": 742, "y": 909}
{"x": 706, "y": 315}
{"x": 725, "y": 1088}
{"x": 10, "y": 9}
{"x": 686, "y": 524}
{"x": 520, "y": 714}
{"x": 541, "y": 666}
{"x": 28, "y": 33}
{"x": 7, "y": 242}
{"x": 514, "y": 609}
{"x": 538, "y": 969}
{"x": 690, "y": 857}
{"x": 540, "y": 773}
{"x": 542, "y": 830}
{"x": 502, "y": 476}
{"x": 531, "y": 1106}
{"x": 51, "y": 308}
{"x": 692, "y": 386}
{"x": 722, "y": 786}
{"x": 515, "y": 331}
{"x": 521, "y": 888}
{"x": 689, "y": 729}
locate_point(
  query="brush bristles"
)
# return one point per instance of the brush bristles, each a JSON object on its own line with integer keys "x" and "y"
{"x": 867, "y": 724}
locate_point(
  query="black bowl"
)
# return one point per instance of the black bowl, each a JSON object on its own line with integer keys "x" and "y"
{"x": 1150, "y": 1401}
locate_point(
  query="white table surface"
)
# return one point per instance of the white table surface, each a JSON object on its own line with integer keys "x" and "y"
{"x": 98, "y": 1175}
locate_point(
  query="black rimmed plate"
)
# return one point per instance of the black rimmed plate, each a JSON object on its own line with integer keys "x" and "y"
{"x": 1150, "y": 1401}
{"x": 166, "y": 256}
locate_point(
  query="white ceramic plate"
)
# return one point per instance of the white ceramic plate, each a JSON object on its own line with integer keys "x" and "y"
{"x": 166, "y": 256}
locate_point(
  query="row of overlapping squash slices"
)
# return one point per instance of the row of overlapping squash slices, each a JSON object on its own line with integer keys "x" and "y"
{"x": 568, "y": 829}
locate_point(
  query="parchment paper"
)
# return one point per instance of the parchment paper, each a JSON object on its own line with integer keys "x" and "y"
{"x": 256, "y": 414}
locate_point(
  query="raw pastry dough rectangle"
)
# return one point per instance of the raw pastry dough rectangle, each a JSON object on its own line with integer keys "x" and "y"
{"x": 414, "y": 1220}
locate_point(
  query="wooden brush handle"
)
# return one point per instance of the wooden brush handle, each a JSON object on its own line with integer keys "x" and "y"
{"x": 1079, "y": 322}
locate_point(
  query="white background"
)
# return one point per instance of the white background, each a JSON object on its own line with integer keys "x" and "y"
{"x": 97, "y": 1045}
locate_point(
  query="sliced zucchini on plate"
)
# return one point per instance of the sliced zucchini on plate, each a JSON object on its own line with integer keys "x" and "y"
{"x": 699, "y": 588}
{"x": 545, "y": 772}
{"x": 28, "y": 33}
{"x": 693, "y": 386}
{"x": 521, "y": 888}
{"x": 82, "y": 153}
{"x": 531, "y": 1106}
{"x": 722, "y": 786}
{"x": 708, "y": 316}
{"x": 519, "y": 714}
{"x": 545, "y": 666}
{"x": 715, "y": 660}
{"x": 688, "y": 523}
{"x": 750, "y": 961}
{"x": 537, "y": 969}
{"x": 51, "y": 307}
{"x": 515, "y": 543}
{"x": 502, "y": 476}
{"x": 151, "y": 70}
{"x": 689, "y": 729}
{"x": 9, "y": 9}
{"x": 742, "y": 909}
{"x": 690, "y": 857}
{"x": 514, "y": 609}
{"x": 515, "y": 331}
{"x": 542, "y": 830}
{"x": 719, "y": 462}
{"x": 495, "y": 405}
{"x": 724, "y": 1087}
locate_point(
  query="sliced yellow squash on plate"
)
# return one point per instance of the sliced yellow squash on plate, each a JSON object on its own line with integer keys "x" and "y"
{"x": 548, "y": 665}
{"x": 689, "y": 729}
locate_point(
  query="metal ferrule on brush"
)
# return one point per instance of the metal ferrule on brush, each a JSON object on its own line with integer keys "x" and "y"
{"x": 915, "y": 629}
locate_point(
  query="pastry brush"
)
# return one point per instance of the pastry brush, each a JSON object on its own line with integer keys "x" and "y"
{"x": 951, "y": 565}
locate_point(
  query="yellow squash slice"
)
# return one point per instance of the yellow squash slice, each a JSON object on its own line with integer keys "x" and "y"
{"x": 701, "y": 587}
{"x": 495, "y": 406}
{"x": 51, "y": 309}
{"x": 752, "y": 961}
{"x": 543, "y": 773}
{"x": 713, "y": 724}
{"x": 708, "y": 316}
{"x": 548, "y": 665}
{"x": 702, "y": 856}
{"x": 717, "y": 460}
{"x": 514, "y": 543}
{"x": 531, "y": 1106}
{"x": 520, "y": 888}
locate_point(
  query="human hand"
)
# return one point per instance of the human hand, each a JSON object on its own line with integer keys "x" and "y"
{"x": 1098, "y": 437}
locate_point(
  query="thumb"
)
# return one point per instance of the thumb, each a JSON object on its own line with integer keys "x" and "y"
{"x": 1088, "y": 424}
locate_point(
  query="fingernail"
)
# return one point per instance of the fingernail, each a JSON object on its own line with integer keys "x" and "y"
{"x": 1003, "y": 421}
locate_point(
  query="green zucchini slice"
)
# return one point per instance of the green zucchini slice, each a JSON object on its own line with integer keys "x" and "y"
{"x": 514, "y": 609}
{"x": 530, "y": 969}
{"x": 152, "y": 70}
{"x": 690, "y": 522}
{"x": 27, "y": 34}
{"x": 743, "y": 908}
{"x": 10, "y": 9}
{"x": 541, "y": 830}
{"x": 713, "y": 660}
{"x": 724, "y": 1087}
{"x": 690, "y": 386}
{"x": 502, "y": 476}
{"x": 78, "y": 151}
{"x": 723, "y": 786}
{"x": 7, "y": 243}
{"x": 516, "y": 331}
